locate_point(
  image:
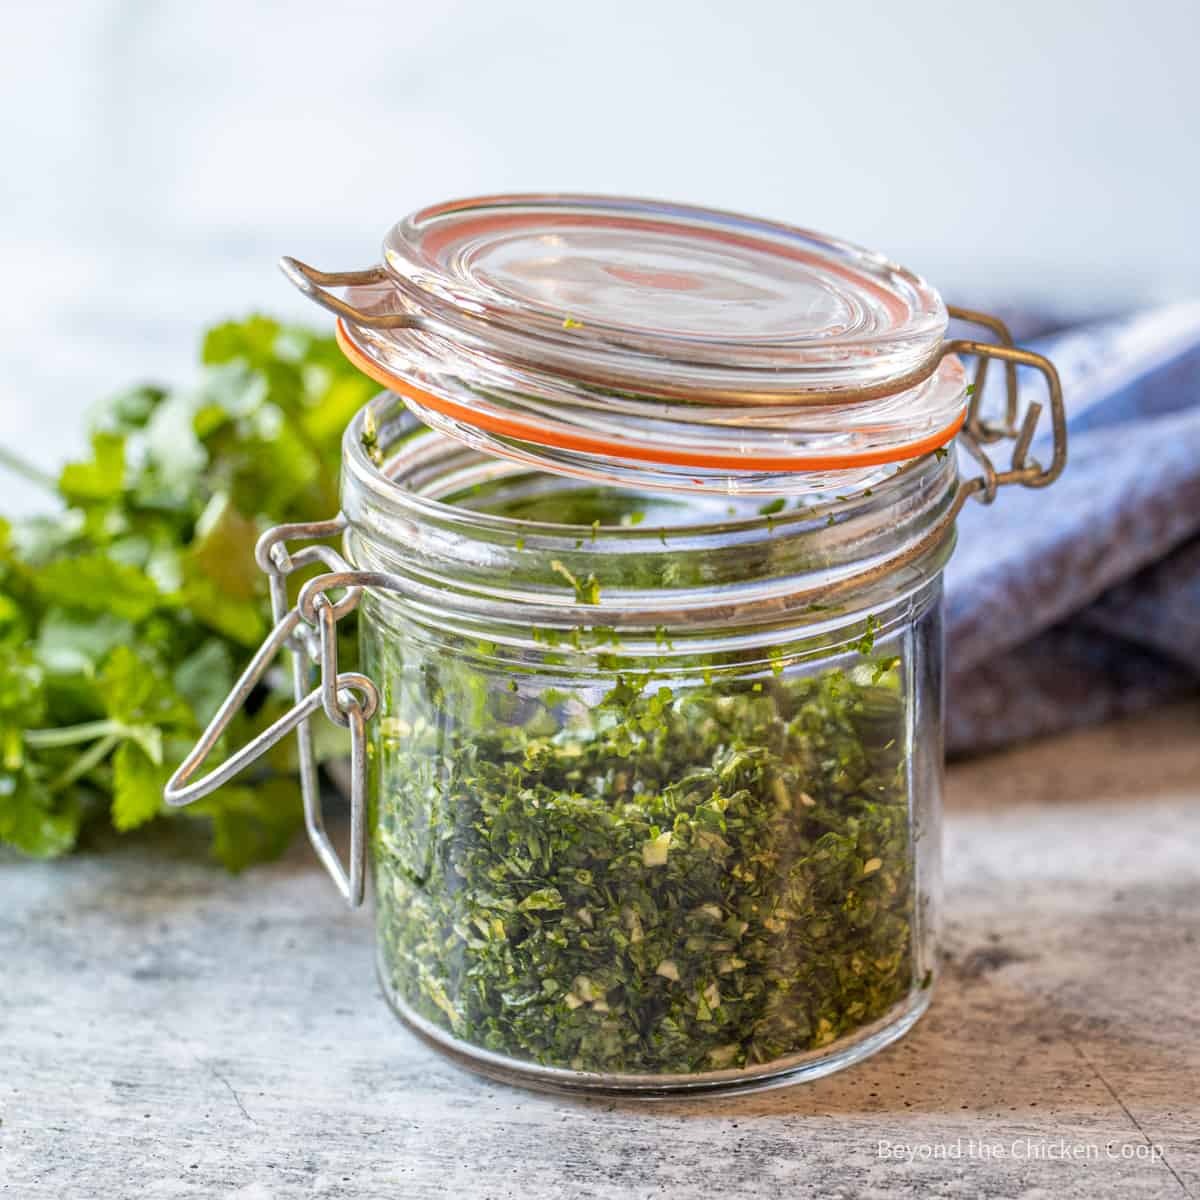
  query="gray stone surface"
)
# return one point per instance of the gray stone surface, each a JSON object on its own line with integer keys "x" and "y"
{"x": 166, "y": 1030}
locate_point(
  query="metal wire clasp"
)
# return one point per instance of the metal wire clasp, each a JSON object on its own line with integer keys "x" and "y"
{"x": 977, "y": 432}
{"x": 309, "y": 631}
{"x": 314, "y": 285}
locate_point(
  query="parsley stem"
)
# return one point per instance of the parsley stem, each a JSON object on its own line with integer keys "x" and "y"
{"x": 70, "y": 735}
{"x": 93, "y": 756}
{"x": 35, "y": 475}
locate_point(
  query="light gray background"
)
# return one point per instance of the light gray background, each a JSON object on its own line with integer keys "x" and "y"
{"x": 159, "y": 156}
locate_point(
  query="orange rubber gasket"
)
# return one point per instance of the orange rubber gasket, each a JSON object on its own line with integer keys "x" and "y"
{"x": 537, "y": 435}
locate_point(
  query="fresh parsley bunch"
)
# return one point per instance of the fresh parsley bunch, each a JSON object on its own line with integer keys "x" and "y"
{"x": 125, "y": 615}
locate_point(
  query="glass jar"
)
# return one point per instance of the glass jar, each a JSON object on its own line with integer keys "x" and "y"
{"x": 676, "y": 828}
{"x": 647, "y": 741}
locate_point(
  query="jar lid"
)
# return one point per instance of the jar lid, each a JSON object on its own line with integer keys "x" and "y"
{"x": 615, "y": 337}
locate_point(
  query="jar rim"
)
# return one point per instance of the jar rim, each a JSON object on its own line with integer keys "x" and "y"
{"x": 375, "y": 470}
{"x": 403, "y": 515}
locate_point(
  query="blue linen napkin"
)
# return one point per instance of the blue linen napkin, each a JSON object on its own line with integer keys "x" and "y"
{"x": 1081, "y": 602}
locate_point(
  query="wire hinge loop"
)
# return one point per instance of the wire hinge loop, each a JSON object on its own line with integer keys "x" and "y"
{"x": 349, "y": 699}
{"x": 978, "y": 432}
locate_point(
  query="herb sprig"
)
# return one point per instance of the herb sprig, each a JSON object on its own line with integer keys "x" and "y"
{"x": 124, "y": 613}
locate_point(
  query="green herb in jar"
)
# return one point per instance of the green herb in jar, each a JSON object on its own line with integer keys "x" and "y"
{"x": 658, "y": 883}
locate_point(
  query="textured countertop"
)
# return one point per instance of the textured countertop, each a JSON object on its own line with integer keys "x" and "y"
{"x": 166, "y": 1030}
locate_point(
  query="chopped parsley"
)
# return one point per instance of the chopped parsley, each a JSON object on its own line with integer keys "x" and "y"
{"x": 587, "y": 591}
{"x": 646, "y": 879}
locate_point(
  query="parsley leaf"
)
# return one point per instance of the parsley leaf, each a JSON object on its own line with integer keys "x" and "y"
{"x": 100, "y": 479}
{"x": 253, "y": 824}
{"x": 137, "y": 787}
{"x": 98, "y": 583}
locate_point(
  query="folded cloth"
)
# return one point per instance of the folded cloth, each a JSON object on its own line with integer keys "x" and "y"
{"x": 1081, "y": 602}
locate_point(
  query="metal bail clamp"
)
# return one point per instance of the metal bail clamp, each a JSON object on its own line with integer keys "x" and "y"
{"x": 977, "y": 432}
{"x": 309, "y": 631}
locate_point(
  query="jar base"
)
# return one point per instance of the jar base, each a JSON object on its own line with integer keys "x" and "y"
{"x": 782, "y": 1072}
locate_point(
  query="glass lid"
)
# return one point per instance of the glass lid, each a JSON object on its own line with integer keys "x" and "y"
{"x": 731, "y": 303}
{"x": 603, "y": 335}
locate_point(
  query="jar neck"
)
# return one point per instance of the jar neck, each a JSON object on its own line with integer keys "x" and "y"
{"x": 471, "y": 536}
